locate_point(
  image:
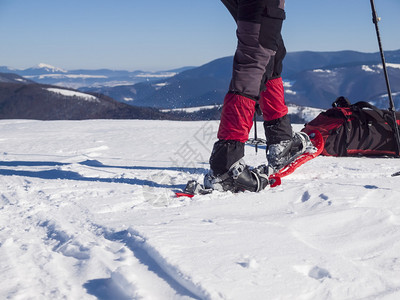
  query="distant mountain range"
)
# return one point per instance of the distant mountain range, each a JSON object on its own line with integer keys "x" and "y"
{"x": 47, "y": 74}
{"x": 24, "y": 99}
{"x": 311, "y": 78}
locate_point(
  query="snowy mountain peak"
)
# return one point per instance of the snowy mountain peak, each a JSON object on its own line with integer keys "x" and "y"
{"x": 49, "y": 68}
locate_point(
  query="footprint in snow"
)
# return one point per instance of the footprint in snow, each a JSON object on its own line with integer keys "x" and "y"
{"x": 305, "y": 197}
{"x": 248, "y": 263}
{"x": 314, "y": 272}
{"x": 319, "y": 273}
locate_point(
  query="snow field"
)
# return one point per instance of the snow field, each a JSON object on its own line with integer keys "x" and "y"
{"x": 87, "y": 211}
{"x": 70, "y": 93}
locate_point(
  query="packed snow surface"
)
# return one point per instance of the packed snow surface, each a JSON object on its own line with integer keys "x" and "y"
{"x": 87, "y": 210}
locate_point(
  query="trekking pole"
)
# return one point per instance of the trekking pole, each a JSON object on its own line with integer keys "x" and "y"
{"x": 255, "y": 131}
{"x": 392, "y": 109}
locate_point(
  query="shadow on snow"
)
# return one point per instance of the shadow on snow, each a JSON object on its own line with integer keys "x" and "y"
{"x": 71, "y": 175}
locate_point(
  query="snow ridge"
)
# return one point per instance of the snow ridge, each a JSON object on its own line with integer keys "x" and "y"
{"x": 70, "y": 93}
{"x": 150, "y": 257}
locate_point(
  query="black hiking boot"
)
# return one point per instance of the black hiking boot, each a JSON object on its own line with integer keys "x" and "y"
{"x": 283, "y": 153}
{"x": 240, "y": 177}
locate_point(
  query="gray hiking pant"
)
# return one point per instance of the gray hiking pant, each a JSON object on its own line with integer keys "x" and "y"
{"x": 260, "y": 50}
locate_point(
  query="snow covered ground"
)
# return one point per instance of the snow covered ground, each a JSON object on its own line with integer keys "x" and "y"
{"x": 70, "y": 93}
{"x": 87, "y": 211}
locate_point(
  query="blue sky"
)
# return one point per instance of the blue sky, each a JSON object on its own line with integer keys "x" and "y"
{"x": 161, "y": 34}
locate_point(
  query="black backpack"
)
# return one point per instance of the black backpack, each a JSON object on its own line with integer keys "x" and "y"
{"x": 355, "y": 129}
